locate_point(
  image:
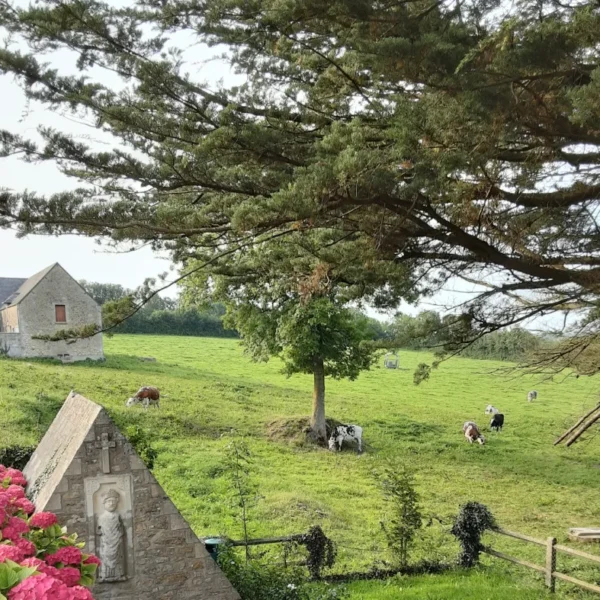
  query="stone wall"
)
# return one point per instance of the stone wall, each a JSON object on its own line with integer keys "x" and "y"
{"x": 37, "y": 317}
{"x": 166, "y": 561}
{"x": 10, "y": 344}
{"x": 9, "y": 320}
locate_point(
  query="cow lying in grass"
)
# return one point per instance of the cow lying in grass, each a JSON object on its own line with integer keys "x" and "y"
{"x": 147, "y": 396}
{"x": 472, "y": 433}
{"x": 345, "y": 433}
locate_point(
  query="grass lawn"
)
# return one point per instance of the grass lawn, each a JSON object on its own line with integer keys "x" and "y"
{"x": 214, "y": 390}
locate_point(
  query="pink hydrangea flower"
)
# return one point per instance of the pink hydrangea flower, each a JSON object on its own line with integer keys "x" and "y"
{"x": 40, "y": 587}
{"x": 15, "y": 477}
{"x": 32, "y": 561}
{"x": 14, "y": 529}
{"x": 92, "y": 560}
{"x": 43, "y": 520}
{"x": 15, "y": 492}
{"x": 68, "y": 556}
{"x": 41, "y": 567}
{"x": 26, "y": 547}
{"x": 25, "y": 505}
{"x": 80, "y": 593}
{"x": 70, "y": 576}
{"x": 11, "y": 553}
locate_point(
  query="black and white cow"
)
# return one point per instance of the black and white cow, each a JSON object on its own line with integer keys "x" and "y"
{"x": 497, "y": 422}
{"x": 532, "y": 395}
{"x": 345, "y": 433}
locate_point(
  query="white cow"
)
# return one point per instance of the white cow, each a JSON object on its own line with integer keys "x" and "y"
{"x": 532, "y": 395}
{"x": 345, "y": 433}
{"x": 491, "y": 410}
{"x": 472, "y": 433}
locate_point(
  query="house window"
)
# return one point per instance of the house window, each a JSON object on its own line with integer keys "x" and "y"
{"x": 61, "y": 313}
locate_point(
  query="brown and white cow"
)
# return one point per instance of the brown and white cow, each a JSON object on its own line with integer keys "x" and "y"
{"x": 146, "y": 395}
{"x": 472, "y": 433}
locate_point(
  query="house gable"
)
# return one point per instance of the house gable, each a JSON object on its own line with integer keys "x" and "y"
{"x": 43, "y": 305}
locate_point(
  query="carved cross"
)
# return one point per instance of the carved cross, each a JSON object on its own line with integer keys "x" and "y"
{"x": 105, "y": 444}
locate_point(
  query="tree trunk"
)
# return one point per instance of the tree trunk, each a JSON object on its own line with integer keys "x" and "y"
{"x": 317, "y": 420}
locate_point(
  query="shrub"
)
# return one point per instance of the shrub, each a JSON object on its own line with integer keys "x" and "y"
{"x": 404, "y": 517}
{"x": 321, "y": 550}
{"x": 256, "y": 580}
{"x": 141, "y": 440}
{"x": 16, "y": 456}
{"x": 470, "y": 524}
{"x": 38, "y": 560}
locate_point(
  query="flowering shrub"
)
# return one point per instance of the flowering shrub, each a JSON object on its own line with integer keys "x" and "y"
{"x": 38, "y": 560}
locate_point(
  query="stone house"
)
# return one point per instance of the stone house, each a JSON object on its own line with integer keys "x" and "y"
{"x": 45, "y": 303}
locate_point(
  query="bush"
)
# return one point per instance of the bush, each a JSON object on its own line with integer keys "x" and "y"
{"x": 141, "y": 440}
{"x": 256, "y": 580}
{"x": 470, "y": 524}
{"x": 38, "y": 560}
{"x": 322, "y": 551}
{"x": 16, "y": 456}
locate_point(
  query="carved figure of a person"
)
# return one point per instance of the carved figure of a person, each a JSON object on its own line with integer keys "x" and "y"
{"x": 112, "y": 538}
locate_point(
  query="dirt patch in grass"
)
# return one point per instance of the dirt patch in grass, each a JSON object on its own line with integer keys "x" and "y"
{"x": 295, "y": 430}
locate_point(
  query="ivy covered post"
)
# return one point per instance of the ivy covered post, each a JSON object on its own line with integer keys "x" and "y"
{"x": 470, "y": 524}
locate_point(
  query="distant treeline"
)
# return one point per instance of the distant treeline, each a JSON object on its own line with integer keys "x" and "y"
{"x": 426, "y": 331}
{"x": 430, "y": 331}
{"x": 161, "y": 315}
{"x": 176, "y": 322}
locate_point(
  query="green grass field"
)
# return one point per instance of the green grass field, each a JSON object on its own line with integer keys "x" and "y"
{"x": 214, "y": 391}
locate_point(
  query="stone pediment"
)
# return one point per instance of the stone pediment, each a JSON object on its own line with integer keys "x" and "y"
{"x": 86, "y": 472}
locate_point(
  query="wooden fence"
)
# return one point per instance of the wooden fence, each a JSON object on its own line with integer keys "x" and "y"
{"x": 549, "y": 569}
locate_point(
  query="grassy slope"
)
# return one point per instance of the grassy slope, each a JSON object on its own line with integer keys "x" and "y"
{"x": 213, "y": 389}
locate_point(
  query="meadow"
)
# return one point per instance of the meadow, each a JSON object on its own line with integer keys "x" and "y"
{"x": 214, "y": 392}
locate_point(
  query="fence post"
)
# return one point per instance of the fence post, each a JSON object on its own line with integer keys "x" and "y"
{"x": 550, "y": 563}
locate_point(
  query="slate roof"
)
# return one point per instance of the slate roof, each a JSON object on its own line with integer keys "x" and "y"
{"x": 8, "y": 286}
{"x": 20, "y": 288}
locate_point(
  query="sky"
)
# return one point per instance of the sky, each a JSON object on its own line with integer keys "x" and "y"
{"x": 82, "y": 257}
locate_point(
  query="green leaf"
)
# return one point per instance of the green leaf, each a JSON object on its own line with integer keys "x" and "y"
{"x": 8, "y": 577}
{"x": 25, "y": 572}
{"x": 86, "y": 581}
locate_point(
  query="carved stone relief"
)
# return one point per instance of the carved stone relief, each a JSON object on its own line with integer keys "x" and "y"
{"x": 109, "y": 513}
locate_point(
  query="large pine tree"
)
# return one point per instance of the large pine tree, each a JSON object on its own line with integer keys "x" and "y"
{"x": 458, "y": 139}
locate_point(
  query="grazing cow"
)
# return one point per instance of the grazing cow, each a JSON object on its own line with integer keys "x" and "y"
{"x": 497, "y": 422}
{"x": 491, "y": 410}
{"x": 146, "y": 395}
{"x": 532, "y": 396}
{"x": 472, "y": 433}
{"x": 345, "y": 433}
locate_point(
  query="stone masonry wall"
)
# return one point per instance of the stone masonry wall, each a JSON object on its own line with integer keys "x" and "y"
{"x": 169, "y": 562}
{"x": 37, "y": 317}
{"x": 10, "y": 343}
{"x": 9, "y": 320}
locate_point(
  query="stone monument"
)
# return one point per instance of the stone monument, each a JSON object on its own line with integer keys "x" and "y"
{"x": 86, "y": 472}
